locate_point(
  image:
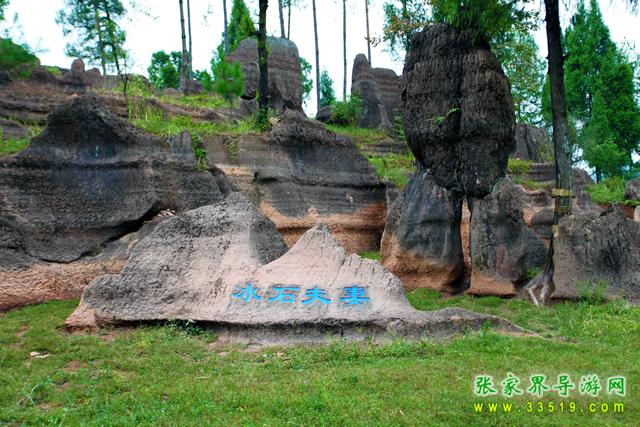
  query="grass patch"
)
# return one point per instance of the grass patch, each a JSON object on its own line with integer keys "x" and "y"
{"x": 153, "y": 121}
{"x": 374, "y": 255}
{"x": 396, "y": 168}
{"x": 518, "y": 166}
{"x": 532, "y": 184}
{"x": 360, "y": 136}
{"x": 13, "y": 145}
{"x": 203, "y": 100}
{"x": 168, "y": 375}
{"x": 610, "y": 190}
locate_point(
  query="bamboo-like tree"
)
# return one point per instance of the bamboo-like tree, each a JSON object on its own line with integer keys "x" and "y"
{"x": 263, "y": 85}
{"x": 183, "y": 59}
{"x": 315, "y": 32}
{"x": 344, "y": 49}
{"x": 366, "y": 14}
{"x": 281, "y": 13}
{"x": 190, "y": 58}
{"x": 226, "y": 29}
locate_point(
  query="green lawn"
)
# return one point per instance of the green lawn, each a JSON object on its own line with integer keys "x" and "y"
{"x": 172, "y": 375}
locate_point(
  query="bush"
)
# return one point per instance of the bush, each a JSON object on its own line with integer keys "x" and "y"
{"x": 518, "y": 166}
{"x": 16, "y": 59}
{"x": 609, "y": 190}
{"x": 347, "y": 113}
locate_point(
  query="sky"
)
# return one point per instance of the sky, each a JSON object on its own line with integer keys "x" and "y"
{"x": 153, "y": 25}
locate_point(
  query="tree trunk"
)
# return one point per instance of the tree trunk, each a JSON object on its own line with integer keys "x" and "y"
{"x": 289, "y": 19}
{"x": 124, "y": 77}
{"x": 226, "y": 24}
{"x": 103, "y": 61}
{"x": 281, "y": 12}
{"x": 315, "y": 32}
{"x": 563, "y": 190}
{"x": 190, "y": 63}
{"x": 366, "y": 11}
{"x": 405, "y": 17}
{"x": 183, "y": 59}
{"x": 263, "y": 87}
{"x": 344, "y": 50}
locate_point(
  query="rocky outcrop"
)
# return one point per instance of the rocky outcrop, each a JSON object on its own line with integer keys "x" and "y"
{"x": 285, "y": 86}
{"x": 594, "y": 251}
{"x": 314, "y": 293}
{"x": 502, "y": 247}
{"x": 379, "y": 90}
{"x": 89, "y": 179}
{"x": 632, "y": 190}
{"x": 532, "y": 143}
{"x": 184, "y": 266}
{"x": 458, "y": 112}
{"x": 301, "y": 174}
{"x": 421, "y": 243}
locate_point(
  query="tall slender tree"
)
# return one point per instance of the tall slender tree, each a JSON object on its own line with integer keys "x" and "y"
{"x": 183, "y": 59}
{"x": 315, "y": 32}
{"x": 288, "y": 18}
{"x": 190, "y": 59}
{"x": 344, "y": 49}
{"x": 99, "y": 39}
{"x": 226, "y": 30}
{"x": 281, "y": 12}
{"x": 366, "y": 14}
{"x": 263, "y": 85}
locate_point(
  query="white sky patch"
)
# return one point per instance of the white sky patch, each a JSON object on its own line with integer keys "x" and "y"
{"x": 161, "y": 31}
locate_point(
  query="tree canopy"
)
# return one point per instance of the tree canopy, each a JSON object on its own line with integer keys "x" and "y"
{"x": 327, "y": 92}
{"x": 98, "y": 37}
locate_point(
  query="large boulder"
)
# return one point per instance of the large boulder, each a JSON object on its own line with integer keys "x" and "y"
{"x": 532, "y": 143}
{"x": 503, "y": 248}
{"x": 458, "y": 112}
{"x": 199, "y": 268}
{"x": 421, "y": 243}
{"x": 180, "y": 269}
{"x": 632, "y": 190}
{"x": 91, "y": 177}
{"x": 592, "y": 251}
{"x": 285, "y": 86}
{"x": 300, "y": 174}
{"x": 379, "y": 90}
{"x": 76, "y": 201}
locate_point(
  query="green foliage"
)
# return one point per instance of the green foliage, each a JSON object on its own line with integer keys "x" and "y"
{"x": 484, "y": 19}
{"x": 440, "y": 119}
{"x": 98, "y": 37}
{"x": 164, "y": 71}
{"x": 609, "y": 190}
{"x": 240, "y": 27}
{"x": 327, "y": 93}
{"x": 518, "y": 53}
{"x": 199, "y": 152}
{"x": 16, "y": 59}
{"x": 592, "y": 292}
{"x": 532, "y": 184}
{"x": 12, "y": 145}
{"x": 347, "y": 113}
{"x": 3, "y": 4}
{"x": 600, "y": 93}
{"x": 396, "y": 168}
{"x": 401, "y": 20}
{"x": 111, "y": 377}
{"x": 305, "y": 76}
{"x": 53, "y": 70}
{"x": 361, "y": 136}
{"x": 530, "y": 273}
{"x": 229, "y": 80}
{"x": 374, "y": 255}
{"x": 518, "y": 166}
{"x": 205, "y": 78}
{"x": 201, "y": 100}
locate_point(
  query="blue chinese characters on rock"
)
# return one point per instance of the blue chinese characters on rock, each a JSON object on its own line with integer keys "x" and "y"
{"x": 352, "y": 295}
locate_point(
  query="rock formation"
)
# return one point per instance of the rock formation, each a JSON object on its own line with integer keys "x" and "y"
{"x": 532, "y": 143}
{"x": 632, "y": 190}
{"x": 285, "y": 86}
{"x": 458, "y": 112}
{"x": 594, "y": 250}
{"x": 421, "y": 243}
{"x": 502, "y": 247}
{"x": 379, "y": 90}
{"x": 301, "y": 174}
{"x": 90, "y": 178}
{"x": 314, "y": 293}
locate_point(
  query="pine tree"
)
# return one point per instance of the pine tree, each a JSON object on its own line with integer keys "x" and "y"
{"x": 240, "y": 27}
{"x": 100, "y": 40}
{"x": 327, "y": 93}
